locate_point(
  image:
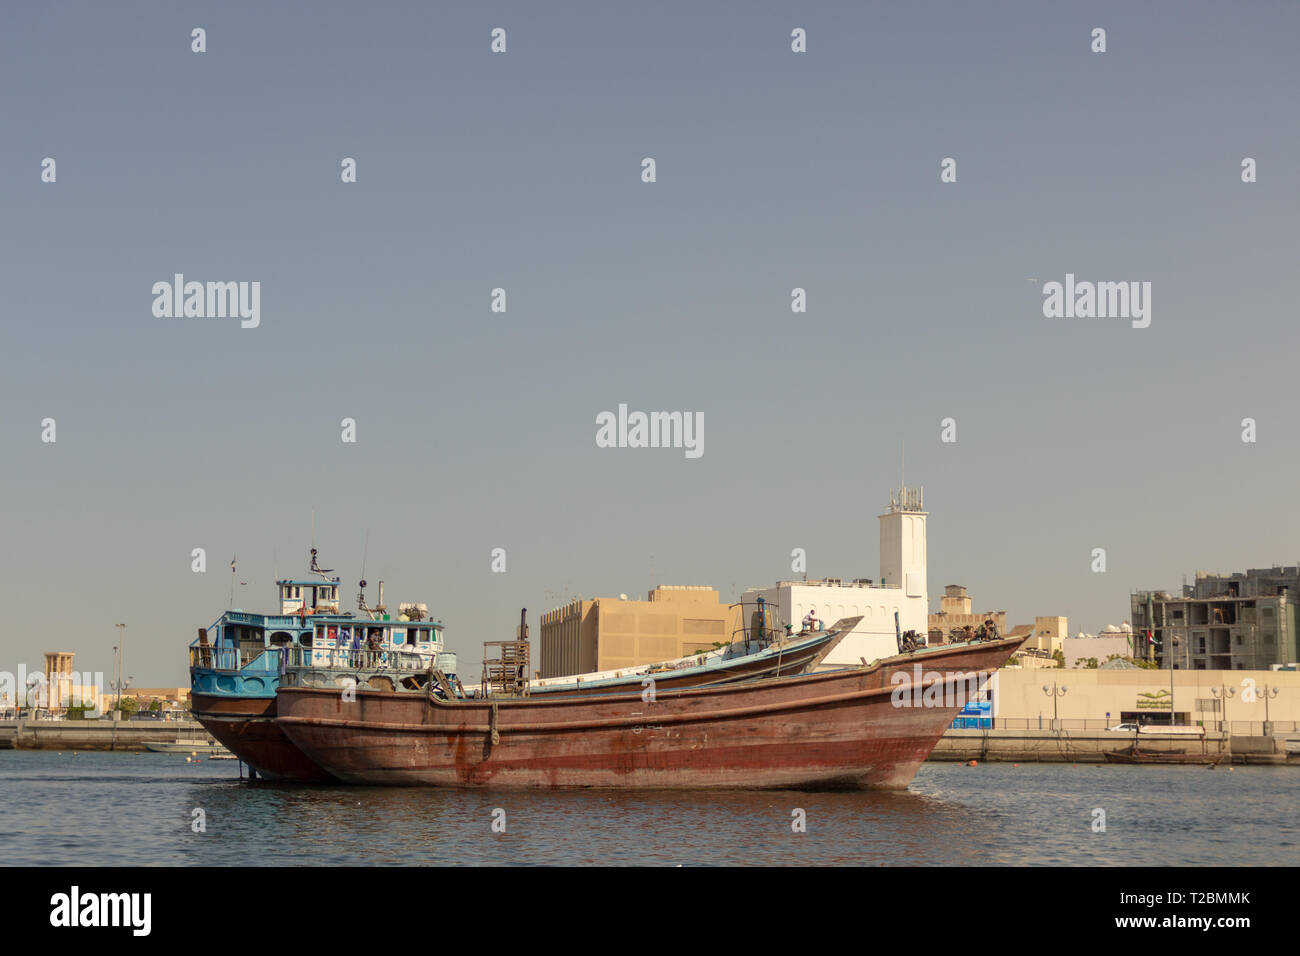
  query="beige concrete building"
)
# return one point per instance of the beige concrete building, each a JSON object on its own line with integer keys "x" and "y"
{"x": 1049, "y": 634}
{"x": 955, "y": 611}
{"x": 609, "y": 633}
{"x": 1113, "y": 696}
{"x": 1033, "y": 658}
{"x": 168, "y": 697}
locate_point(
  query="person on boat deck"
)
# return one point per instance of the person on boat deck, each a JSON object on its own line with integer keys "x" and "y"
{"x": 810, "y": 620}
{"x": 372, "y": 645}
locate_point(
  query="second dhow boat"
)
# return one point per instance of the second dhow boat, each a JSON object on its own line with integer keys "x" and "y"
{"x": 868, "y": 726}
{"x": 761, "y": 647}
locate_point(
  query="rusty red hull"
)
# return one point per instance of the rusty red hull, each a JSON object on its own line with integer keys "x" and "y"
{"x": 246, "y": 727}
{"x": 854, "y": 728}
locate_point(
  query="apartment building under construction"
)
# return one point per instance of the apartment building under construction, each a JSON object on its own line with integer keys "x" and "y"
{"x": 1241, "y": 621}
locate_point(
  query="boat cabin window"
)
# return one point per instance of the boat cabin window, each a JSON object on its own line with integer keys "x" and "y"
{"x": 281, "y": 638}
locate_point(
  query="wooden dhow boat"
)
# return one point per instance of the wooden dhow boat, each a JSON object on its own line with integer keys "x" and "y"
{"x": 1137, "y": 755}
{"x": 771, "y": 655}
{"x": 237, "y": 663}
{"x": 868, "y": 726}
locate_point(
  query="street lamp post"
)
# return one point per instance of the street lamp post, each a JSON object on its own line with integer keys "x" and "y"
{"x": 121, "y": 663}
{"x": 1055, "y": 693}
{"x": 1268, "y": 693}
{"x": 1222, "y": 693}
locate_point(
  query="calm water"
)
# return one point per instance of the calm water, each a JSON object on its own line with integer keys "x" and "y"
{"x": 110, "y": 809}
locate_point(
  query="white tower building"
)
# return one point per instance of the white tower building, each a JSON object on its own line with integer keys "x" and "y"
{"x": 902, "y": 544}
{"x": 901, "y": 589}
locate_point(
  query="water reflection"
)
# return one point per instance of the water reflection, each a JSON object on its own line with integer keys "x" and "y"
{"x": 119, "y": 809}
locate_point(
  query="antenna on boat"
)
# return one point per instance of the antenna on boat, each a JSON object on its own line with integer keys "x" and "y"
{"x": 361, "y": 598}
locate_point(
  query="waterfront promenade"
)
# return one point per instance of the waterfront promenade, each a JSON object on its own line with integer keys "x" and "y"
{"x": 95, "y": 734}
{"x": 1088, "y": 746}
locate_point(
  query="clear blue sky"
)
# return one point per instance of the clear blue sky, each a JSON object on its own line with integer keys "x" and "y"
{"x": 775, "y": 170}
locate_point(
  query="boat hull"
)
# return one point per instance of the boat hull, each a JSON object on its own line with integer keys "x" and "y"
{"x": 855, "y": 728}
{"x": 246, "y": 727}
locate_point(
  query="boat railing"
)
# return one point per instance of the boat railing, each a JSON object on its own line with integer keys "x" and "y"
{"x": 363, "y": 658}
{"x": 229, "y": 658}
{"x": 234, "y": 659}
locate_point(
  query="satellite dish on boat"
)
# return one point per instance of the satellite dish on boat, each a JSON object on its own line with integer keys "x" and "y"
{"x": 622, "y": 597}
